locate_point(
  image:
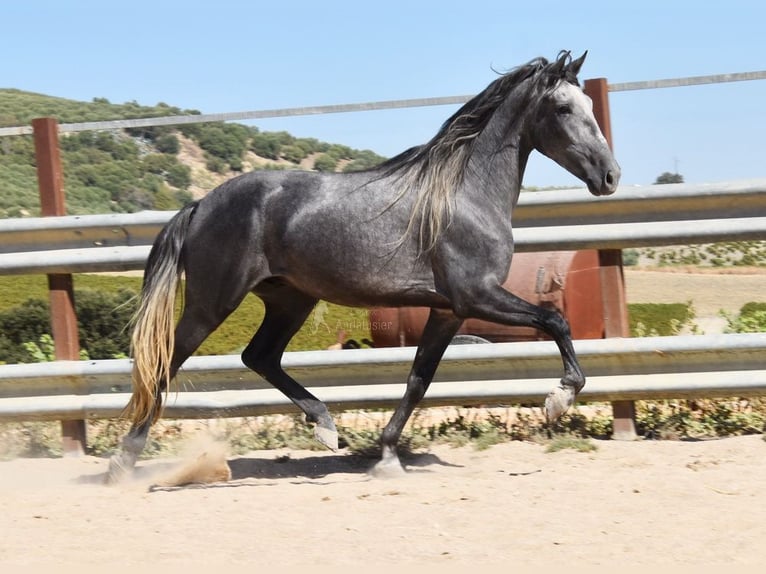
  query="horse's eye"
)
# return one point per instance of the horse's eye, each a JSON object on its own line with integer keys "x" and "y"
{"x": 564, "y": 110}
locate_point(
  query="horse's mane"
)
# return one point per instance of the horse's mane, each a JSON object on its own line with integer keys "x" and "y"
{"x": 436, "y": 169}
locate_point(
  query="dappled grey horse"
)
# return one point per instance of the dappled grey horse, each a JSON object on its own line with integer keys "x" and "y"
{"x": 430, "y": 227}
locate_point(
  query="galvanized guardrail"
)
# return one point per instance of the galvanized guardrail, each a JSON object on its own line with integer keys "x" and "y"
{"x": 617, "y": 369}
{"x": 501, "y": 373}
{"x": 544, "y": 221}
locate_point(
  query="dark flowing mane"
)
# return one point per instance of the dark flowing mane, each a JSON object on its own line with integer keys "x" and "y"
{"x": 437, "y": 168}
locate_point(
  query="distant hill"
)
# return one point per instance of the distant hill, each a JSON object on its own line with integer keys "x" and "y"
{"x": 146, "y": 168}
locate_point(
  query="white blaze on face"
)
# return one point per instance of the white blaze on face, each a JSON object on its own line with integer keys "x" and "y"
{"x": 583, "y": 124}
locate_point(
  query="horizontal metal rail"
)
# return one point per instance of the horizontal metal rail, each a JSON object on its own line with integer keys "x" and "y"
{"x": 81, "y": 231}
{"x": 639, "y": 204}
{"x": 544, "y": 221}
{"x": 564, "y": 238}
{"x": 688, "y": 81}
{"x": 221, "y": 404}
{"x": 501, "y": 373}
{"x": 358, "y": 107}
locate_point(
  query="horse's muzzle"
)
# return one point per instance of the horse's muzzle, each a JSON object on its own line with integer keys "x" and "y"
{"x": 611, "y": 179}
{"x": 608, "y": 183}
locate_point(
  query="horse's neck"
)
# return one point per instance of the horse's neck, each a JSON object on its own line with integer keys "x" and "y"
{"x": 497, "y": 168}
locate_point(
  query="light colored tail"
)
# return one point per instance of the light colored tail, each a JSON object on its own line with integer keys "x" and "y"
{"x": 153, "y": 338}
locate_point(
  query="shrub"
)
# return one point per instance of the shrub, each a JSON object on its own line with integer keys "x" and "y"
{"x": 659, "y": 319}
{"x": 325, "y": 162}
{"x": 179, "y": 176}
{"x": 293, "y": 153}
{"x": 752, "y": 307}
{"x": 102, "y": 319}
{"x": 630, "y": 257}
{"x": 266, "y": 145}
{"x": 365, "y": 159}
{"x": 215, "y": 164}
{"x": 224, "y": 141}
{"x": 158, "y": 163}
{"x": 22, "y": 324}
{"x": 165, "y": 200}
{"x": 752, "y": 322}
{"x": 167, "y": 143}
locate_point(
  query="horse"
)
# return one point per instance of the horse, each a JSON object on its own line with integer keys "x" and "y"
{"x": 429, "y": 227}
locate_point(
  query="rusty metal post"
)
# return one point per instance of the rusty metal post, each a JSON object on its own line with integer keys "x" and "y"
{"x": 60, "y": 286}
{"x": 615, "y": 307}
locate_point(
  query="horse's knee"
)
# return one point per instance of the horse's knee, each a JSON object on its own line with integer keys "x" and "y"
{"x": 556, "y": 324}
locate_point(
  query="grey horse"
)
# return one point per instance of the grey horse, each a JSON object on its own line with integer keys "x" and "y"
{"x": 430, "y": 227}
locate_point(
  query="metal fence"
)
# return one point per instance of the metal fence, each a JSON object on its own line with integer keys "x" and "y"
{"x": 618, "y": 368}
{"x": 544, "y": 221}
{"x": 569, "y": 220}
{"x": 501, "y": 373}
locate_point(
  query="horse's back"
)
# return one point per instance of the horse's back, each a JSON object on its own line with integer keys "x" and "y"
{"x": 330, "y": 235}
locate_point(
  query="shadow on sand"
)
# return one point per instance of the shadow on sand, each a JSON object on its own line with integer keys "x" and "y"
{"x": 315, "y": 467}
{"x": 252, "y": 471}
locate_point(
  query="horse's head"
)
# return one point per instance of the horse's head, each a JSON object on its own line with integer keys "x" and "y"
{"x": 565, "y": 130}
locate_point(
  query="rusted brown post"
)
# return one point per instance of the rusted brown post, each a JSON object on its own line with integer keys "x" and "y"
{"x": 615, "y": 306}
{"x": 50, "y": 181}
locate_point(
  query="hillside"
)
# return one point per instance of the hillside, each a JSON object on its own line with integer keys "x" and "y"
{"x": 146, "y": 168}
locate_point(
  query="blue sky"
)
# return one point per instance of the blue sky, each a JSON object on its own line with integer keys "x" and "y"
{"x": 231, "y": 55}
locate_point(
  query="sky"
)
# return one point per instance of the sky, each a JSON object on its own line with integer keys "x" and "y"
{"x": 238, "y": 55}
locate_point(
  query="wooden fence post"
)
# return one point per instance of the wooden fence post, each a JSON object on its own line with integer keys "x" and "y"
{"x": 615, "y": 306}
{"x": 60, "y": 286}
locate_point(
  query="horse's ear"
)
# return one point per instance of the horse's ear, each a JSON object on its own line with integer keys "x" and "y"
{"x": 559, "y": 66}
{"x": 574, "y": 67}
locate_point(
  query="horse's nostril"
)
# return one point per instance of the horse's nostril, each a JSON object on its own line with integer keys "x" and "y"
{"x": 609, "y": 179}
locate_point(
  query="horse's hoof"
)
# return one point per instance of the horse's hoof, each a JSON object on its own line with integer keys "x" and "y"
{"x": 388, "y": 468}
{"x": 558, "y": 402}
{"x": 327, "y": 437}
{"x": 119, "y": 470}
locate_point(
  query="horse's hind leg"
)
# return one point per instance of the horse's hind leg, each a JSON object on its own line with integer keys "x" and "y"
{"x": 196, "y": 323}
{"x": 122, "y": 463}
{"x": 286, "y": 310}
{"x": 437, "y": 334}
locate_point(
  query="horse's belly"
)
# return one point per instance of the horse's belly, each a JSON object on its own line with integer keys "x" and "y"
{"x": 365, "y": 287}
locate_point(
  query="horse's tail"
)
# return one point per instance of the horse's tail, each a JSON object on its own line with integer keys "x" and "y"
{"x": 153, "y": 339}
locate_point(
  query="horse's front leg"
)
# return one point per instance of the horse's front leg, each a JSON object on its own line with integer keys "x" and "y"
{"x": 437, "y": 334}
{"x": 500, "y": 306}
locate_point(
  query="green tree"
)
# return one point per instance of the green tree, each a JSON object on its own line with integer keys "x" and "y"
{"x": 667, "y": 177}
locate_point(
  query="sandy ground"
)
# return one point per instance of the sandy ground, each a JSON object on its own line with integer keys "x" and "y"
{"x": 627, "y": 503}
